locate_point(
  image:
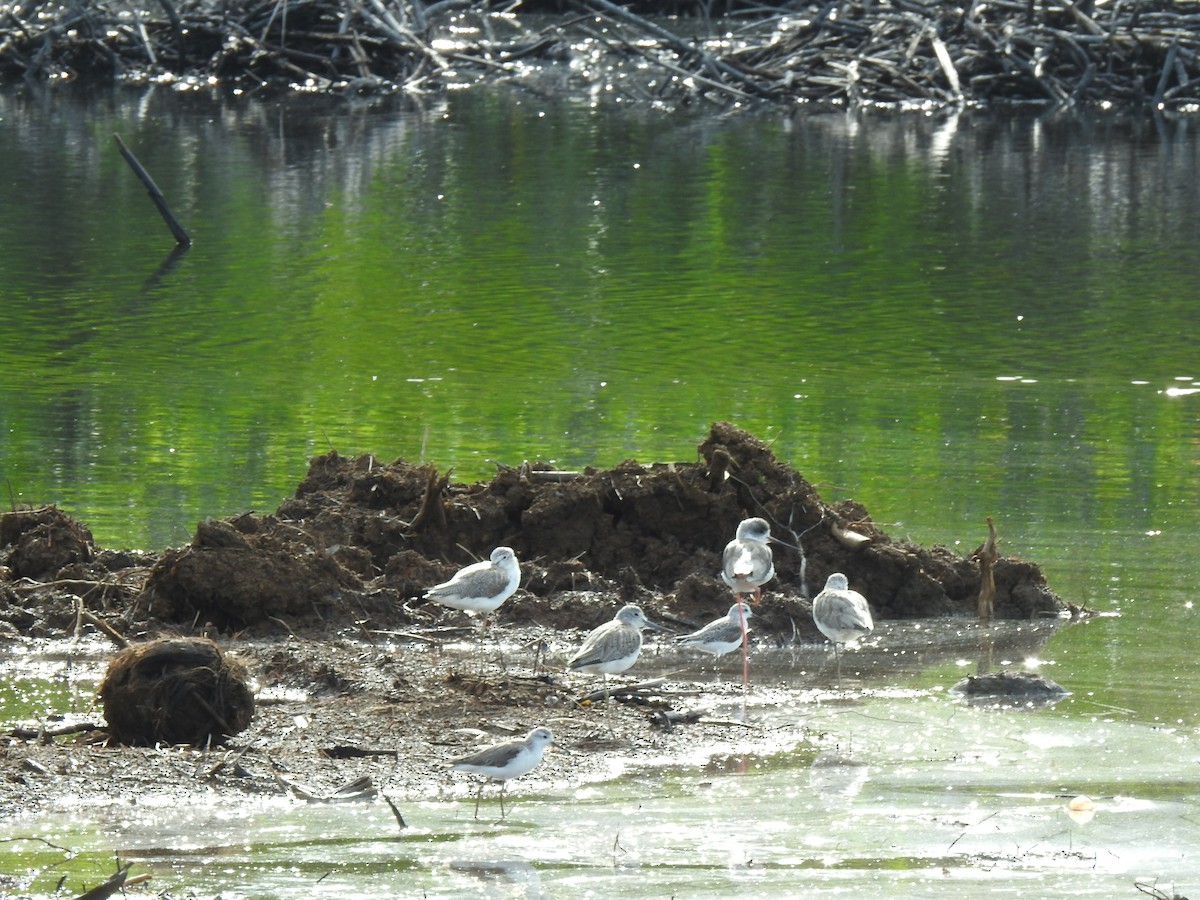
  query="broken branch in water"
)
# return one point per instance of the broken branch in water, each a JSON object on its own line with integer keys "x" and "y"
{"x": 359, "y": 789}
{"x": 628, "y": 691}
{"x": 395, "y": 811}
{"x": 117, "y": 882}
{"x": 181, "y": 236}
{"x": 45, "y": 734}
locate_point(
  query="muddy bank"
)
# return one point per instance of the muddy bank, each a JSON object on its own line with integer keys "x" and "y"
{"x": 356, "y": 675}
{"x": 865, "y": 53}
{"x": 361, "y": 540}
{"x": 336, "y": 707}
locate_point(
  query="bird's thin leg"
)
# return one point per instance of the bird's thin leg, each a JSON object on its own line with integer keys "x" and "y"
{"x": 745, "y": 652}
{"x": 607, "y": 708}
{"x": 479, "y": 647}
{"x": 487, "y": 623}
{"x": 478, "y": 794}
{"x": 502, "y": 812}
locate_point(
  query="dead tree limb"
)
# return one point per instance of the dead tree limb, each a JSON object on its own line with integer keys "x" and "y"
{"x": 431, "y": 510}
{"x": 988, "y": 557}
{"x": 114, "y": 884}
{"x": 181, "y": 236}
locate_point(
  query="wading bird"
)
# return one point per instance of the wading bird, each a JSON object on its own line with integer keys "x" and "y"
{"x": 721, "y": 635}
{"x": 480, "y": 588}
{"x": 746, "y": 565}
{"x": 614, "y": 646}
{"x": 842, "y": 615}
{"x": 500, "y": 762}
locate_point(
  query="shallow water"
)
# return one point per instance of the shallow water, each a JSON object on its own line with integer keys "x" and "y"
{"x": 945, "y": 318}
{"x": 884, "y": 780}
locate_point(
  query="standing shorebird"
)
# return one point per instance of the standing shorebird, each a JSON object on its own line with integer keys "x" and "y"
{"x": 480, "y": 588}
{"x": 746, "y": 565}
{"x": 614, "y": 646}
{"x": 500, "y": 762}
{"x": 842, "y": 615}
{"x": 721, "y": 635}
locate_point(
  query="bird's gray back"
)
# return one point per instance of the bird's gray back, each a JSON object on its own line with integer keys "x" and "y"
{"x": 611, "y": 641}
{"x": 480, "y": 584}
{"x": 490, "y": 757}
{"x": 720, "y": 630}
{"x": 844, "y": 611}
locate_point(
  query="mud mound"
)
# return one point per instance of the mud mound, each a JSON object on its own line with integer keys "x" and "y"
{"x": 640, "y": 526}
{"x": 177, "y": 691}
{"x": 641, "y": 530}
{"x": 1005, "y": 684}
{"x": 247, "y": 570}
{"x": 39, "y": 542}
{"x": 362, "y": 540}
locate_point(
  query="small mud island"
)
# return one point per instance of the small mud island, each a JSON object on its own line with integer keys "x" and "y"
{"x": 362, "y": 540}
{"x": 869, "y": 53}
{"x": 322, "y": 603}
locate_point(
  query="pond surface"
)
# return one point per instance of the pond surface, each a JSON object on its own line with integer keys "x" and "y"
{"x": 945, "y": 318}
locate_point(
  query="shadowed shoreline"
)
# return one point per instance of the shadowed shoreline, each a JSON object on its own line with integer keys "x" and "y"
{"x": 871, "y": 53}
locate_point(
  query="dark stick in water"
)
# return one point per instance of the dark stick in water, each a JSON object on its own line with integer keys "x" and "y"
{"x": 181, "y": 236}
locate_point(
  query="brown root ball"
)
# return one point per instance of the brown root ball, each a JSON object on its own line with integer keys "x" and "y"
{"x": 176, "y": 691}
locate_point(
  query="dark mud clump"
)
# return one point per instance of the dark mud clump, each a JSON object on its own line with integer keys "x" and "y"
{"x": 1009, "y": 685}
{"x": 245, "y": 570}
{"x": 176, "y": 691}
{"x": 38, "y": 543}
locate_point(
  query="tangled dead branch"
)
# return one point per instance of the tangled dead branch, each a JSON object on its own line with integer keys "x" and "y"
{"x": 848, "y": 52}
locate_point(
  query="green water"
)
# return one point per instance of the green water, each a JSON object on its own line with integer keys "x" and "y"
{"x": 945, "y": 318}
{"x": 501, "y": 277}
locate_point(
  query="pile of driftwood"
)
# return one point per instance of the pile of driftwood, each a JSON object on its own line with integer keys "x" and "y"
{"x": 852, "y": 52}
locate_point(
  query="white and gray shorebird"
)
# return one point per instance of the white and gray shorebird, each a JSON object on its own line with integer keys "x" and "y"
{"x": 614, "y": 646}
{"x": 842, "y": 615}
{"x": 500, "y": 762}
{"x": 747, "y": 563}
{"x": 722, "y": 635}
{"x": 480, "y": 587}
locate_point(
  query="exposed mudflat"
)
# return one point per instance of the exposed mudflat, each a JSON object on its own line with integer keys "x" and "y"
{"x": 356, "y": 674}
